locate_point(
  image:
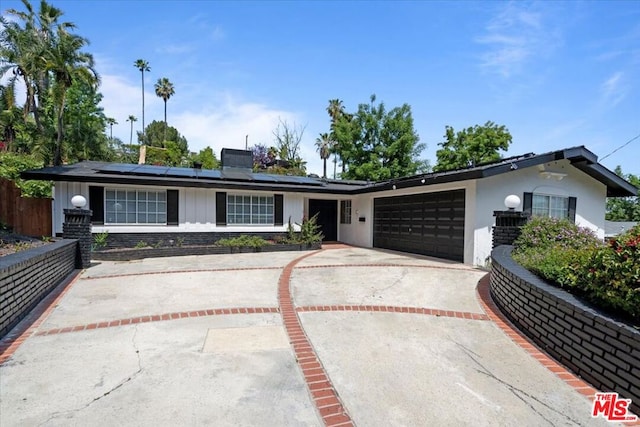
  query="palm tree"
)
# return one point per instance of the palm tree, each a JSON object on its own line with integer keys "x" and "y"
{"x": 67, "y": 63}
{"x": 143, "y": 66}
{"x": 131, "y": 119}
{"x": 324, "y": 145}
{"x": 111, "y": 121}
{"x": 336, "y": 111}
{"x": 164, "y": 89}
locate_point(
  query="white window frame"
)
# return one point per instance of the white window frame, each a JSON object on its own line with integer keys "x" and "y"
{"x": 133, "y": 206}
{"x": 345, "y": 211}
{"x": 551, "y": 208}
{"x": 259, "y": 209}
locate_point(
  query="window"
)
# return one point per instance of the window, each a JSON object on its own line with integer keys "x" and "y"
{"x": 551, "y": 206}
{"x": 345, "y": 211}
{"x": 135, "y": 207}
{"x": 249, "y": 209}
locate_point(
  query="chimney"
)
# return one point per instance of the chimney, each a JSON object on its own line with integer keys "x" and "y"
{"x": 236, "y": 159}
{"x": 142, "y": 158}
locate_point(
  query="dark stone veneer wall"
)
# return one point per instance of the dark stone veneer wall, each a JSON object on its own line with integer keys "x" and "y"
{"x": 602, "y": 351}
{"x": 27, "y": 277}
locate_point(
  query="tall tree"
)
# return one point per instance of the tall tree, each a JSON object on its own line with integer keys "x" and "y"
{"x": 376, "y": 144}
{"x": 472, "y": 146}
{"x": 67, "y": 63}
{"x": 624, "y": 208}
{"x": 336, "y": 111}
{"x": 324, "y": 146}
{"x": 131, "y": 119}
{"x": 142, "y": 66}
{"x": 110, "y": 122}
{"x": 164, "y": 89}
{"x": 287, "y": 139}
{"x": 85, "y": 123}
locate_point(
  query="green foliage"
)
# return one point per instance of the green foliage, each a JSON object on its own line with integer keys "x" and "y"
{"x": 571, "y": 257}
{"x": 611, "y": 275}
{"x": 100, "y": 240}
{"x": 310, "y": 231}
{"x": 155, "y": 136}
{"x": 376, "y": 144}
{"x": 624, "y": 208}
{"x": 541, "y": 233}
{"x": 472, "y": 146}
{"x": 243, "y": 241}
{"x": 11, "y": 164}
{"x": 207, "y": 158}
{"x": 141, "y": 244}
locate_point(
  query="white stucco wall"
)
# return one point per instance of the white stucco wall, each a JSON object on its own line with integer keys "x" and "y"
{"x": 196, "y": 210}
{"x": 361, "y": 234}
{"x": 590, "y": 203}
{"x": 358, "y": 233}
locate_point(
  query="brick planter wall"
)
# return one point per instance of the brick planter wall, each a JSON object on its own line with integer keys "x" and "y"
{"x": 602, "y": 351}
{"x": 129, "y": 240}
{"x": 27, "y": 277}
{"x": 140, "y": 253}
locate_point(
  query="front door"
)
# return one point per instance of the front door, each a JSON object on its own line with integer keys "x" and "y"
{"x": 327, "y": 211}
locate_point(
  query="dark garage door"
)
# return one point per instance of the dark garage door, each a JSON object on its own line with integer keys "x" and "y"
{"x": 427, "y": 224}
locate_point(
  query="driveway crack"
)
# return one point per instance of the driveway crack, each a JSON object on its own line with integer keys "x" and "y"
{"x": 519, "y": 393}
{"x": 111, "y": 390}
{"x": 396, "y": 282}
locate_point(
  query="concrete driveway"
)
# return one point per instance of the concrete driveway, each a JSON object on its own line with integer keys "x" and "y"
{"x": 341, "y": 336}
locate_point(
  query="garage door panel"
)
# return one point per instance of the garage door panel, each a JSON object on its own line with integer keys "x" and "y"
{"x": 428, "y": 224}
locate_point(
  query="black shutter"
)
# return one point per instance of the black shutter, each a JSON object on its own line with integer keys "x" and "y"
{"x": 572, "y": 209}
{"x": 278, "y": 211}
{"x": 172, "y": 207}
{"x": 527, "y": 203}
{"x": 221, "y": 208}
{"x": 96, "y": 204}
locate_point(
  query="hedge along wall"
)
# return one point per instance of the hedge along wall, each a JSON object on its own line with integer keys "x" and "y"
{"x": 602, "y": 351}
{"x": 27, "y": 277}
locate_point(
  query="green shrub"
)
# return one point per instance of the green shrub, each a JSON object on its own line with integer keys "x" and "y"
{"x": 573, "y": 258}
{"x": 99, "y": 241}
{"x": 243, "y": 241}
{"x": 11, "y": 164}
{"x": 310, "y": 231}
{"x": 611, "y": 276}
{"x": 541, "y": 233}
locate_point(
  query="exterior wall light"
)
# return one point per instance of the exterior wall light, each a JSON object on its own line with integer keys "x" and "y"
{"x": 78, "y": 201}
{"x": 512, "y": 202}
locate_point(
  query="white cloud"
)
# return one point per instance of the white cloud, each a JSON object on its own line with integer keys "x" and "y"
{"x": 614, "y": 89}
{"x": 514, "y": 37}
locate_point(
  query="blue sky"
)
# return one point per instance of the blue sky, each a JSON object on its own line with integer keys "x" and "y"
{"x": 556, "y": 74}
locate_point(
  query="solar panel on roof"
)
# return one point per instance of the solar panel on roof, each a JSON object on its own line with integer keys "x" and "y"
{"x": 236, "y": 175}
{"x": 150, "y": 170}
{"x": 263, "y": 178}
{"x": 118, "y": 168}
{"x": 181, "y": 172}
{"x": 209, "y": 174}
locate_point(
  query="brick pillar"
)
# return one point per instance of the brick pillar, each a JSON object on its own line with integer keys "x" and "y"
{"x": 507, "y": 228}
{"x": 77, "y": 225}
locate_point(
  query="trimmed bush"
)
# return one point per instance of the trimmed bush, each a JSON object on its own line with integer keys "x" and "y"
{"x": 611, "y": 276}
{"x": 573, "y": 258}
{"x": 243, "y": 241}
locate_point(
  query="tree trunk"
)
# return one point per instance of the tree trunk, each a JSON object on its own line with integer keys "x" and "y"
{"x": 164, "y": 137}
{"x": 324, "y": 168}
{"x": 57, "y": 155}
{"x": 142, "y": 106}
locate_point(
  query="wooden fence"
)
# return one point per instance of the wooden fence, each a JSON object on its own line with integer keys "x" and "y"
{"x": 26, "y": 215}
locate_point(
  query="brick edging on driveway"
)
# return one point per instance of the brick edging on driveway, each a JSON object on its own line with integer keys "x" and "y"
{"x": 323, "y": 393}
{"x": 494, "y": 313}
